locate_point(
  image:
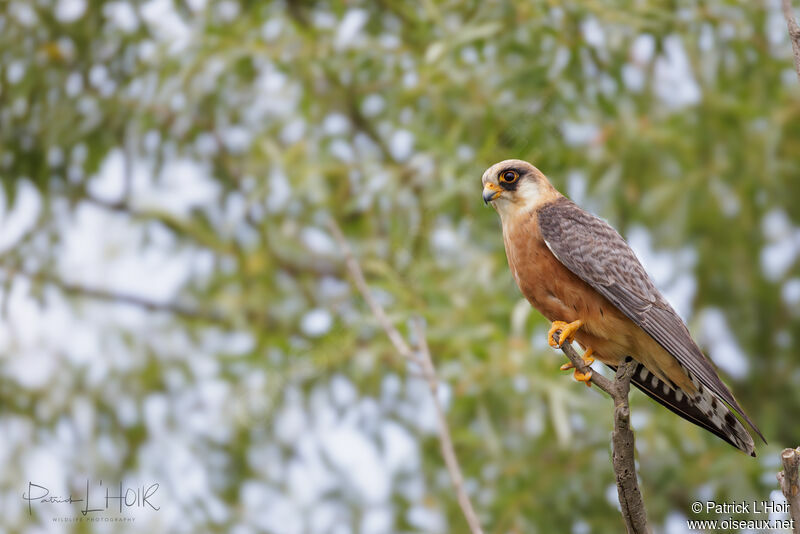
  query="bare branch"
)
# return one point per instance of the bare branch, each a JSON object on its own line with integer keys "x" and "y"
{"x": 448, "y": 451}
{"x": 630, "y": 498}
{"x": 172, "y": 308}
{"x": 425, "y": 361}
{"x": 171, "y": 222}
{"x": 128, "y": 154}
{"x": 794, "y": 32}
{"x": 111, "y": 296}
{"x": 317, "y": 265}
{"x": 361, "y": 284}
{"x": 597, "y": 379}
{"x": 789, "y": 480}
{"x": 622, "y": 440}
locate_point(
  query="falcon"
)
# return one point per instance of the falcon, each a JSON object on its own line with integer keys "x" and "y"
{"x": 584, "y": 278}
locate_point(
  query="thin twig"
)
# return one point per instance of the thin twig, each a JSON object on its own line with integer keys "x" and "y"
{"x": 128, "y": 150}
{"x": 171, "y": 222}
{"x": 622, "y": 439}
{"x": 112, "y": 296}
{"x": 425, "y": 361}
{"x": 794, "y": 32}
{"x": 319, "y": 265}
{"x": 597, "y": 379}
{"x": 377, "y": 310}
{"x": 448, "y": 451}
{"x": 172, "y": 308}
{"x": 789, "y": 479}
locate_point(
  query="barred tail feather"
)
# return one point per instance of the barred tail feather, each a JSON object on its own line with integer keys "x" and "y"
{"x": 702, "y": 408}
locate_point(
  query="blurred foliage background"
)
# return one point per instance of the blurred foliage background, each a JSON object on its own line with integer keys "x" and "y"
{"x": 175, "y": 310}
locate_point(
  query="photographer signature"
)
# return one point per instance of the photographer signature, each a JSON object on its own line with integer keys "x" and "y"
{"x": 132, "y": 497}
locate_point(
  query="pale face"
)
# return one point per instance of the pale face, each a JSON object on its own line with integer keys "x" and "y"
{"x": 514, "y": 185}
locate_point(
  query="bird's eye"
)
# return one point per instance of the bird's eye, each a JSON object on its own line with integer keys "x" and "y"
{"x": 509, "y": 176}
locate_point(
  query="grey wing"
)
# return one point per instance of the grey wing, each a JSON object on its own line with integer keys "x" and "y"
{"x": 596, "y": 253}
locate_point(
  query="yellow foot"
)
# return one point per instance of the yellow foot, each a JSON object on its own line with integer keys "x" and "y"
{"x": 584, "y": 377}
{"x": 587, "y": 361}
{"x": 567, "y": 332}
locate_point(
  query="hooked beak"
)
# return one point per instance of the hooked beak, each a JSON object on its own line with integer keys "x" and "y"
{"x": 491, "y": 192}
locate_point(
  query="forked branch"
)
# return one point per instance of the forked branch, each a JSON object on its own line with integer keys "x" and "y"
{"x": 630, "y": 498}
{"x": 622, "y": 440}
{"x": 422, "y": 358}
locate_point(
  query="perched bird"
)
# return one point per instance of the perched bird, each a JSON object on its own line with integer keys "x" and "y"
{"x": 583, "y": 277}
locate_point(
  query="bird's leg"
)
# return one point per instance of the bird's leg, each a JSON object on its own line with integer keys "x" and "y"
{"x": 567, "y": 332}
{"x": 568, "y": 335}
{"x": 587, "y": 361}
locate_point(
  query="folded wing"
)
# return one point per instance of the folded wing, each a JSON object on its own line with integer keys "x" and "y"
{"x": 595, "y": 252}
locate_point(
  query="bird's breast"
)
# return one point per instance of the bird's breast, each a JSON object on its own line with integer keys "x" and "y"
{"x": 547, "y": 284}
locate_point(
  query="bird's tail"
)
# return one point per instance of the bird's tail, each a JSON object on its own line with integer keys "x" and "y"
{"x": 703, "y": 408}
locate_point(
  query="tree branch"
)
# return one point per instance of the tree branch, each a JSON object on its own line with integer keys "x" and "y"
{"x": 425, "y": 361}
{"x": 448, "y": 451}
{"x": 794, "y": 32}
{"x": 180, "y": 310}
{"x": 622, "y": 441}
{"x": 789, "y": 480}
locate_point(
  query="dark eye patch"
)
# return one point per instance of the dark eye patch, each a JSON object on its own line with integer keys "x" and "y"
{"x": 508, "y": 179}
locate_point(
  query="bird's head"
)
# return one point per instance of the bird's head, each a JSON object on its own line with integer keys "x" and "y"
{"x": 514, "y": 185}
